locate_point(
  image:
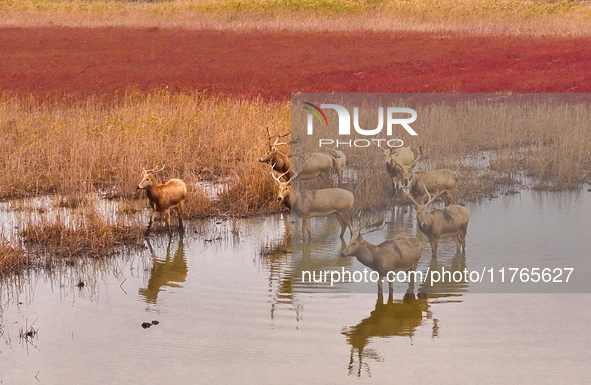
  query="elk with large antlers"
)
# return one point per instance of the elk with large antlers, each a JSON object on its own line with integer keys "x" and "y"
{"x": 317, "y": 203}
{"x": 402, "y": 254}
{"x": 451, "y": 221}
{"x": 278, "y": 160}
{"x": 163, "y": 197}
{"x": 396, "y": 162}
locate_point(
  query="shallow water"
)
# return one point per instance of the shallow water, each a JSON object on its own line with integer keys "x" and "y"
{"x": 226, "y": 314}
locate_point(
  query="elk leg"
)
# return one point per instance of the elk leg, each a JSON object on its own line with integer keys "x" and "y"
{"x": 434, "y": 245}
{"x": 179, "y": 209}
{"x": 342, "y": 223}
{"x": 380, "y": 291}
{"x": 306, "y": 227}
{"x": 152, "y": 215}
{"x": 347, "y": 221}
{"x": 463, "y": 239}
{"x": 167, "y": 219}
{"x": 395, "y": 191}
{"x": 457, "y": 239}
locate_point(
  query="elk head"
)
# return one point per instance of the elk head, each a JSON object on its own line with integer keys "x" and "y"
{"x": 148, "y": 179}
{"x": 407, "y": 173}
{"x": 423, "y": 208}
{"x": 284, "y": 187}
{"x": 358, "y": 243}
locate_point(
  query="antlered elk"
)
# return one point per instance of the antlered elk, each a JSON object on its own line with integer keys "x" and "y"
{"x": 278, "y": 160}
{"x": 396, "y": 161}
{"x": 284, "y": 195}
{"x": 402, "y": 254}
{"x": 311, "y": 166}
{"x": 444, "y": 181}
{"x": 163, "y": 197}
{"x": 317, "y": 203}
{"x": 339, "y": 160}
{"x": 451, "y": 221}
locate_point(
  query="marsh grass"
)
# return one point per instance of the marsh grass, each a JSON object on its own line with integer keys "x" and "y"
{"x": 494, "y": 146}
{"x": 76, "y": 150}
{"x": 512, "y": 17}
{"x": 12, "y": 257}
{"x": 87, "y": 235}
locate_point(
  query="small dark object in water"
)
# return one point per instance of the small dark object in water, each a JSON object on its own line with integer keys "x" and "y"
{"x": 30, "y": 333}
{"x": 589, "y": 189}
{"x": 146, "y": 325}
{"x": 155, "y": 322}
{"x": 80, "y": 284}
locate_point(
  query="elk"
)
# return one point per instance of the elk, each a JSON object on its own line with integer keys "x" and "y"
{"x": 278, "y": 160}
{"x": 163, "y": 197}
{"x": 339, "y": 160}
{"x": 402, "y": 254}
{"x": 451, "y": 221}
{"x": 396, "y": 162}
{"x": 317, "y": 203}
{"x": 313, "y": 165}
{"x": 418, "y": 185}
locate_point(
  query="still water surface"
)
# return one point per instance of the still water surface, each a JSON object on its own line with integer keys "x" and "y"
{"x": 228, "y": 315}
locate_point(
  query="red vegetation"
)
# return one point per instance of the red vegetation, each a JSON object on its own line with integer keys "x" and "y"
{"x": 53, "y": 63}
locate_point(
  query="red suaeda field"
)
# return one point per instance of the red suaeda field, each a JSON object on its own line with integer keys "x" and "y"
{"x": 57, "y": 62}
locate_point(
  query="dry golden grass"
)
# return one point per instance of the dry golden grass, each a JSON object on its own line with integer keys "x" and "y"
{"x": 492, "y": 146}
{"x": 90, "y": 235}
{"x": 12, "y": 258}
{"x": 78, "y": 149}
{"x": 514, "y": 17}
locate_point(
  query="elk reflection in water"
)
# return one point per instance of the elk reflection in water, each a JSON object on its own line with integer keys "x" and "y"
{"x": 168, "y": 272}
{"x": 393, "y": 318}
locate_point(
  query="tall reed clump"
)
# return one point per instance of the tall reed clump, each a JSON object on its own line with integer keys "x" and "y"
{"x": 88, "y": 234}
{"x": 89, "y": 147}
{"x": 12, "y": 258}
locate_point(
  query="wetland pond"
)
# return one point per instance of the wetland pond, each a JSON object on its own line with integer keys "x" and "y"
{"x": 225, "y": 313}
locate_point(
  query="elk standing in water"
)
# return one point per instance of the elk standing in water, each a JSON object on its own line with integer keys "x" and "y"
{"x": 163, "y": 197}
{"x": 396, "y": 161}
{"x": 451, "y": 221}
{"x": 402, "y": 254}
{"x": 317, "y": 203}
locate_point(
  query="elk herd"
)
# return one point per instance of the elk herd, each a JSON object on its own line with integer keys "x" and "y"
{"x": 420, "y": 188}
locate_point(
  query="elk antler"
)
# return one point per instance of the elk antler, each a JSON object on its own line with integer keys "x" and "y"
{"x": 280, "y": 176}
{"x": 429, "y": 195}
{"x": 416, "y": 160}
{"x": 153, "y": 170}
{"x": 407, "y": 192}
{"x": 377, "y": 224}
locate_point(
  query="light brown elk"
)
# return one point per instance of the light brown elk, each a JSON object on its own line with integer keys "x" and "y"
{"x": 396, "y": 161}
{"x": 163, "y": 197}
{"x": 278, "y": 160}
{"x": 311, "y": 166}
{"x": 402, "y": 254}
{"x": 339, "y": 161}
{"x": 444, "y": 181}
{"x": 317, "y": 203}
{"x": 451, "y": 221}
